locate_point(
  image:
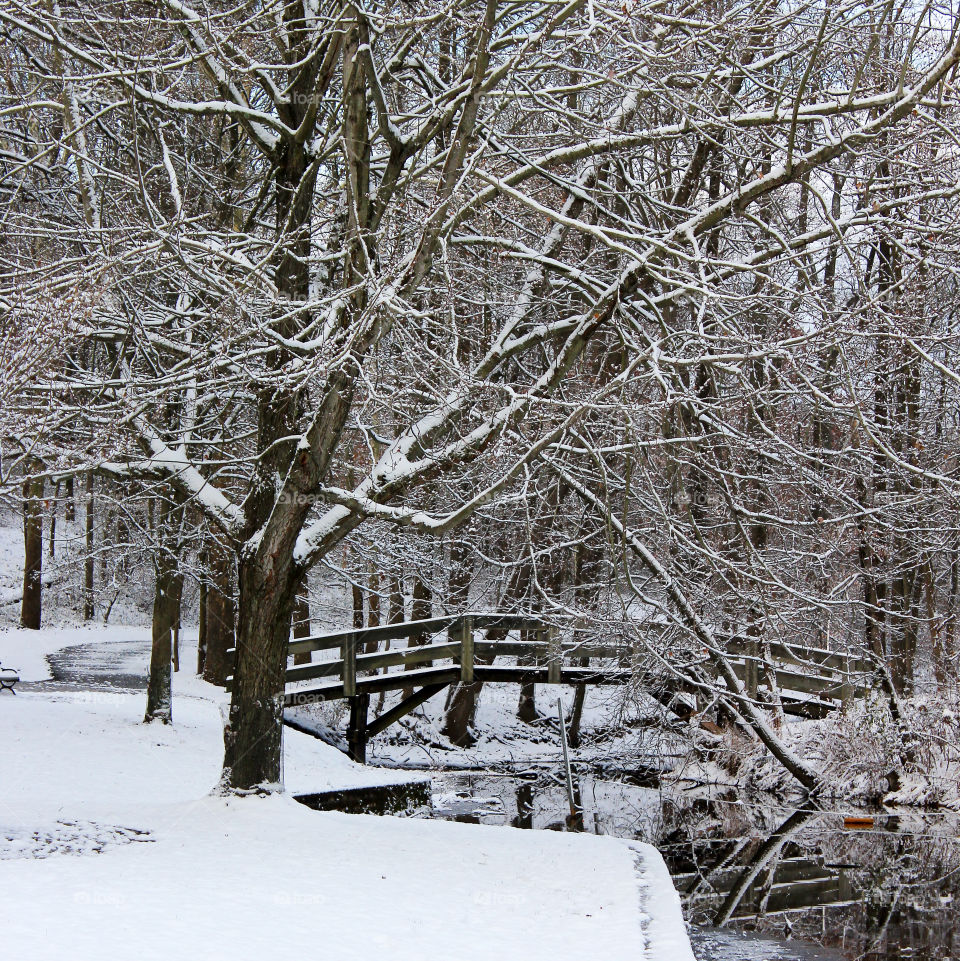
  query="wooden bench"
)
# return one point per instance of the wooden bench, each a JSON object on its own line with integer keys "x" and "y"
{"x": 8, "y": 678}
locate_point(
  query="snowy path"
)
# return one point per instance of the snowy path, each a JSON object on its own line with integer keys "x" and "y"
{"x": 111, "y": 847}
{"x": 94, "y": 655}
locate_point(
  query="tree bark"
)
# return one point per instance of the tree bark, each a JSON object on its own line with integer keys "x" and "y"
{"x": 32, "y": 599}
{"x": 166, "y": 612}
{"x": 527, "y": 703}
{"x": 178, "y": 587}
{"x": 301, "y": 621}
{"x": 202, "y": 617}
{"x": 252, "y": 737}
{"x": 576, "y": 714}
{"x": 356, "y": 595}
{"x": 52, "y": 540}
{"x": 420, "y": 610}
{"x": 70, "y": 509}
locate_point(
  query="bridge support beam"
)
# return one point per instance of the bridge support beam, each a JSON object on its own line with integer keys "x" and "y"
{"x": 403, "y": 708}
{"x": 357, "y": 729}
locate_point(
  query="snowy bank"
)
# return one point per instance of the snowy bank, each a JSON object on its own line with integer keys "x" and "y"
{"x": 241, "y": 879}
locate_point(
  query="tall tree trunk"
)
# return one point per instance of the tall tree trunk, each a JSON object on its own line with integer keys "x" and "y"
{"x": 52, "y": 540}
{"x": 32, "y": 599}
{"x": 178, "y": 587}
{"x": 396, "y": 614}
{"x": 420, "y": 610}
{"x": 88, "y": 566}
{"x": 576, "y": 714}
{"x": 373, "y": 605}
{"x": 252, "y": 737}
{"x": 397, "y": 611}
{"x": 267, "y": 575}
{"x": 527, "y": 703}
{"x": 301, "y": 621}
{"x": 166, "y": 612}
{"x": 356, "y": 595}
{"x": 202, "y": 615}
{"x": 70, "y": 508}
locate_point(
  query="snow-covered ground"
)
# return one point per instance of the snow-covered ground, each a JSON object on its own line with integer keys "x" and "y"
{"x": 113, "y": 846}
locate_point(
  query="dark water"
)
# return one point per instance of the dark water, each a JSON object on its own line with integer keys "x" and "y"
{"x": 760, "y": 882}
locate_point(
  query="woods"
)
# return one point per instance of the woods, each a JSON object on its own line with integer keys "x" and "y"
{"x": 622, "y": 314}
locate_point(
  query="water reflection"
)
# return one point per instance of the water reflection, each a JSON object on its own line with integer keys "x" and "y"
{"x": 885, "y": 891}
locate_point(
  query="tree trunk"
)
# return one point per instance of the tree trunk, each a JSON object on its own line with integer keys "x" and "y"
{"x": 420, "y": 610}
{"x": 267, "y": 575}
{"x": 373, "y": 607}
{"x": 159, "y": 697}
{"x": 88, "y": 606}
{"x": 220, "y": 619}
{"x": 178, "y": 587}
{"x": 527, "y": 704}
{"x": 460, "y": 712}
{"x": 52, "y": 545}
{"x": 166, "y": 612}
{"x": 576, "y": 715}
{"x": 252, "y": 737}
{"x": 70, "y": 509}
{"x": 397, "y": 610}
{"x": 356, "y": 595}
{"x": 32, "y": 599}
{"x": 202, "y": 617}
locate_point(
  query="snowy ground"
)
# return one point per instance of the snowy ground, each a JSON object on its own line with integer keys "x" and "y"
{"x": 114, "y": 847}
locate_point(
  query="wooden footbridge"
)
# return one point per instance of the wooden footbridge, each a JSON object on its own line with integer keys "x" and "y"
{"x": 444, "y": 650}
{"x": 441, "y": 651}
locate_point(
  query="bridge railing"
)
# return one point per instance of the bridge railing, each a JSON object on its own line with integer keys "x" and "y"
{"x": 449, "y": 638}
{"x": 450, "y": 652}
{"x": 824, "y": 675}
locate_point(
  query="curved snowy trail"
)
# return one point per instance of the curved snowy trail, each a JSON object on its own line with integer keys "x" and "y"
{"x": 117, "y": 665}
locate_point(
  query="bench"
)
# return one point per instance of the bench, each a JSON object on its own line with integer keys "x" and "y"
{"x": 8, "y": 678}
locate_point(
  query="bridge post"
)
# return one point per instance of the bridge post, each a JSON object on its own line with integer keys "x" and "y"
{"x": 466, "y": 650}
{"x": 554, "y": 655}
{"x": 357, "y": 729}
{"x": 348, "y": 653}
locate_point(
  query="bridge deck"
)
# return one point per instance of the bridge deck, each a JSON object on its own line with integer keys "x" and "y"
{"x": 451, "y": 674}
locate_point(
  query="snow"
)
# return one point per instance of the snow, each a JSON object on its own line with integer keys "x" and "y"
{"x": 238, "y": 879}
{"x": 662, "y": 915}
{"x": 310, "y": 766}
{"x": 114, "y": 844}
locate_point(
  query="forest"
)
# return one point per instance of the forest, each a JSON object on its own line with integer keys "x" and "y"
{"x": 638, "y": 319}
